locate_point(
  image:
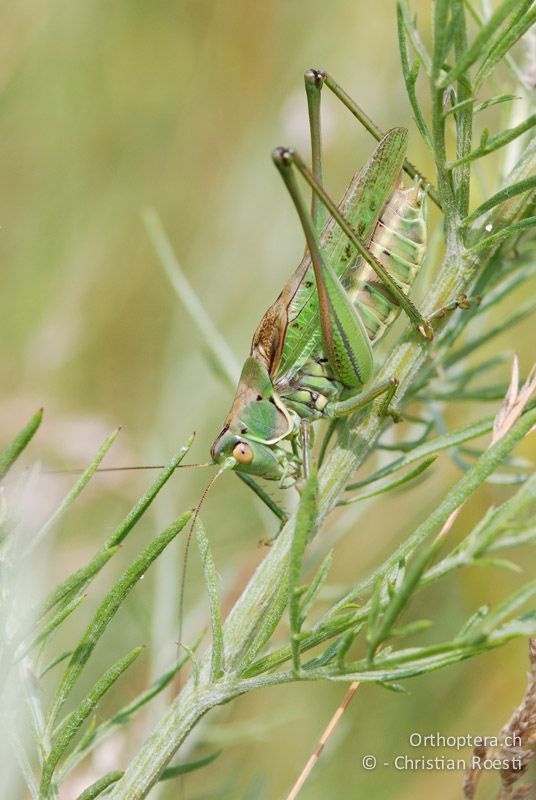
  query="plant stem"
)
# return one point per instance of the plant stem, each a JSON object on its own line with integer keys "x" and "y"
{"x": 259, "y": 599}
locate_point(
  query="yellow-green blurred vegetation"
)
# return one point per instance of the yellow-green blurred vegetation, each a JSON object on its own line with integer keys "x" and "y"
{"x": 107, "y": 109}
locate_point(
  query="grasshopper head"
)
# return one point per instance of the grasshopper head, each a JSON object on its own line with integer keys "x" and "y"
{"x": 251, "y": 457}
{"x": 257, "y": 422}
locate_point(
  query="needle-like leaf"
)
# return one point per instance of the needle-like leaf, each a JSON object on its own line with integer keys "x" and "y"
{"x": 13, "y": 450}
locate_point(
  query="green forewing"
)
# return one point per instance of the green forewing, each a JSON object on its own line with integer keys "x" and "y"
{"x": 362, "y": 205}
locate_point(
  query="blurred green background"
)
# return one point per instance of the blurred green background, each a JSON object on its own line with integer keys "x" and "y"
{"x": 107, "y": 109}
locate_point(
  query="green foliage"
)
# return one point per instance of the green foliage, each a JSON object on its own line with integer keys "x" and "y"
{"x": 99, "y": 786}
{"x": 69, "y": 728}
{"x": 209, "y": 569}
{"x": 189, "y": 766}
{"x": 23, "y": 648}
{"x": 303, "y": 532}
{"x": 13, "y": 450}
{"x": 108, "y": 608}
{"x": 488, "y": 252}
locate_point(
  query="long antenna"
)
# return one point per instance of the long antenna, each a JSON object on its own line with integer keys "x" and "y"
{"x": 124, "y": 469}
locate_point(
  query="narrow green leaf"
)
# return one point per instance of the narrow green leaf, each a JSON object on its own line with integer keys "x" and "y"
{"x": 374, "y": 611}
{"x": 55, "y": 661}
{"x": 108, "y": 609}
{"x": 345, "y": 642}
{"x": 213, "y": 339}
{"x": 407, "y": 446}
{"x": 440, "y": 35}
{"x": 414, "y": 37}
{"x": 98, "y": 733}
{"x": 139, "y": 509}
{"x": 508, "y": 60}
{"x": 398, "y": 573}
{"x": 126, "y": 713}
{"x": 488, "y": 536}
{"x": 494, "y": 101}
{"x": 325, "y": 629}
{"x": 18, "y": 750}
{"x": 412, "y": 628}
{"x": 418, "y": 661}
{"x": 503, "y": 233}
{"x": 194, "y": 661}
{"x": 484, "y": 35}
{"x": 464, "y": 118}
{"x": 267, "y": 625}
{"x": 407, "y": 654}
{"x": 477, "y": 370}
{"x": 410, "y": 74}
{"x": 508, "y": 517}
{"x": 99, "y": 786}
{"x": 209, "y": 570}
{"x": 473, "y": 622}
{"x": 508, "y": 478}
{"x": 458, "y": 106}
{"x": 82, "y": 577}
{"x": 42, "y": 636}
{"x": 327, "y": 657}
{"x": 503, "y": 563}
{"x": 393, "y": 483}
{"x": 433, "y": 447}
{"x": 72, "y": 724}
{"x": 400, "y": 598}
{"x": 393, "y": 687}
{"x": 484, "y": 395}
{"x": 499, "y": 197}
{"x": 312, "y": 591}
{"x": 73, "y": 493}
{"x": 489, "y": 145}
{"x": 505, "y": 542}
{"x": 522, "y": 312}
{"x": 492, "y": 620}
{"x": 460, "y": 492}
{"x": 189, "y": 766}
{"x": 303, "y": 530}
{"x": 524, "y": 626}
{"x": 13, "y": 450}
{"x": 521, "y": 23}
{"x": 506, "y": 286}
{"x": 411, "y": 669}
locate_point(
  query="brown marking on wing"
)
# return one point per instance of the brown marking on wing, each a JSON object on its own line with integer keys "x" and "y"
{"x": 270, "y": 334}
{"x": 269, "y": 338}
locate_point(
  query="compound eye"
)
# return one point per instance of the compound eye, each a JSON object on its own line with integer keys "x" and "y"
{"x": 243, "y": 453}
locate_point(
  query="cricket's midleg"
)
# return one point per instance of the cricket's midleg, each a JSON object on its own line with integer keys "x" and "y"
{"x": 291, "y": 373}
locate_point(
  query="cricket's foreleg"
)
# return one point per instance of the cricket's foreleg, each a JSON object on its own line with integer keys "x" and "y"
{"x": 359, "y": 400}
